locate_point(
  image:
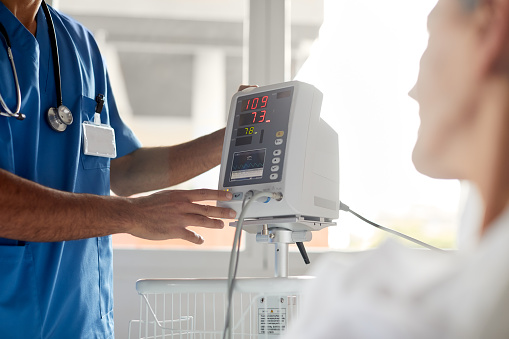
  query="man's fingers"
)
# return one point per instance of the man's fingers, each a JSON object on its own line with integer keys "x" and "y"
{"x": 205, "y": 194}
{"x": 166, "y": 214}
{"x": 209, "y": 211}
{"x": 191, "y": 236}
{"x": 201, "y": 221}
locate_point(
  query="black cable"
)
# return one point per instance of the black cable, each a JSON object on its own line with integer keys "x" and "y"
{"x": 346, "y": 208}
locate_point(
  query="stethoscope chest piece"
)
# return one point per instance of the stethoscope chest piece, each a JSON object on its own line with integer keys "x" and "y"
{"x": 65, "y": 114}
{"x": 59, "y": 118}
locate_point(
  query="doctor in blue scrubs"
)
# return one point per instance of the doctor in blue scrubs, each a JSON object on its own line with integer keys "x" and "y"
{"x": 56, "y": 212}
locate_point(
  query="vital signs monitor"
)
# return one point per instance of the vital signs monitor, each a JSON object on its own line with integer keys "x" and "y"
{"x": 275, "y": 141}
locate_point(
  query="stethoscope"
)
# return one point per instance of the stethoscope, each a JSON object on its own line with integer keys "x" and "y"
{"x": 58, "y": 118}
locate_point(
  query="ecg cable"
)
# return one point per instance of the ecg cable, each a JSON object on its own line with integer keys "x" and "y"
{"x": 234, "y": 256}
{"x": 346, "y": 208}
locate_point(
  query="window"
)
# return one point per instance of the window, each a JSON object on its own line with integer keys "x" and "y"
{"x": 365, "y": 61}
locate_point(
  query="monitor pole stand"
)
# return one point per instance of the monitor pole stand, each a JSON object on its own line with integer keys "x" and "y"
{"x": 282, "y": 238}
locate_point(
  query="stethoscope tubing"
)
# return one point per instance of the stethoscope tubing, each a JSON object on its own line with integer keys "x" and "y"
{"x": 54, "y": 47}
{"x": 56, "y": 68}
{"x": 8, "y": 112}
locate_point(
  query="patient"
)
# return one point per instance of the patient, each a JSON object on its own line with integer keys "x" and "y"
{"x": 394, "y": 292}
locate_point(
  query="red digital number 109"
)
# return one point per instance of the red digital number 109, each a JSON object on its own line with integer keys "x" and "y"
{"x": 253, "y": 103}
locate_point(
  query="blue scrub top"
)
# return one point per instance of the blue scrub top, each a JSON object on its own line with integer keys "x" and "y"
{"x": 59, "y": 289}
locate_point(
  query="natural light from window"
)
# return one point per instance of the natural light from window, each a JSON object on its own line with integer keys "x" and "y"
{"x": 365, "y": 61}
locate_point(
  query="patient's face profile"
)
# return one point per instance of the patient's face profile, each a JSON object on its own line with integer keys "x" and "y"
{"x": 444, "y": 89}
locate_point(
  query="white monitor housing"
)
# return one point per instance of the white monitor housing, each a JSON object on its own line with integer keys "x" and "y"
{"x": 275, "y": 141}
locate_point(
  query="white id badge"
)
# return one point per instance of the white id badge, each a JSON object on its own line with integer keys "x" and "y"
{"x": 99, "y": 140}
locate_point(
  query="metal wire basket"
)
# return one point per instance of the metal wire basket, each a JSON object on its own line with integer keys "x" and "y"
{"x": 196, "y": 308}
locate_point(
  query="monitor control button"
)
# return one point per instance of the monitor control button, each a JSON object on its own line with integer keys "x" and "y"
{"x": 276, "y": 160}
{"x": 237, "y": 196}
{"x": 279, "y": 142}
{"x": 274, "y": 168}
{"x": 280, "y": 134}
{"x": 277, "y": 153}
{"x": 273, "y": 176}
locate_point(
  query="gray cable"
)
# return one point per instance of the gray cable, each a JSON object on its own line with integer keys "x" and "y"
{"x": 234, "y": 258}
{"x": 346, "y": 208}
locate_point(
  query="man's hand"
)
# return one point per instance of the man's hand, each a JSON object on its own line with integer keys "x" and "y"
{"x": 166, "y": 214}
{"x": 28, "y": 213}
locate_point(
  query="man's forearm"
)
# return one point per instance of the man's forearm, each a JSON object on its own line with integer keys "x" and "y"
{"x": 31, "y": 212}
{"x": 148, "y": 169}
{"x": 195, "y": 157}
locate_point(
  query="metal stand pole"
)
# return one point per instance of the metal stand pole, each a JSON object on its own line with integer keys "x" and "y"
{"x": 281, "y": 263}
{"x": 282, "y": 238}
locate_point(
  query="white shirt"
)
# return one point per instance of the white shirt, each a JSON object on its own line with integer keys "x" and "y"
{"x": 396, "y": 292}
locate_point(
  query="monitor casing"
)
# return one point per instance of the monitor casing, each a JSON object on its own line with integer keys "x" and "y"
{"x": 309, "y": 176}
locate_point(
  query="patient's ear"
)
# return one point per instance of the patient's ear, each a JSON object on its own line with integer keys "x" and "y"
{"x": 491, "y": 20}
